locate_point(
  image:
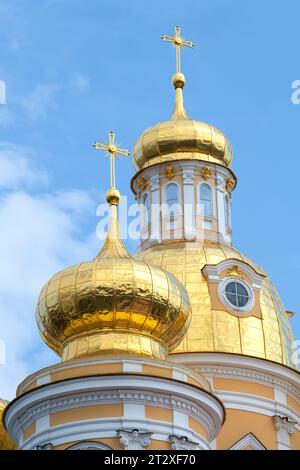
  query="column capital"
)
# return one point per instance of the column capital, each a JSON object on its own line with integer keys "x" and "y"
{"x": 220, "y": 183}
{"x": 134, "y": 440}
{"x": 282, "y": 423}
{"x": 182, "y": 443}
{"x": 46, "y": 446}
{"x": 154, "y": 182}
{"x": 188, "y": 177}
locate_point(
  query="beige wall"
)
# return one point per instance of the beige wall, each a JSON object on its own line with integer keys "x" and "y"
{"x": 238, "y": 423}
{"x": 244, "y": 386}
{"x": 86, "y": 412}
{"x": 29, "y": 431}
{"x": 159, "y": 413}
{"x": 295, "y": 440}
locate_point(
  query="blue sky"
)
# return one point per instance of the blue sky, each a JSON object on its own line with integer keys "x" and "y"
{"x": 76, "y": 69}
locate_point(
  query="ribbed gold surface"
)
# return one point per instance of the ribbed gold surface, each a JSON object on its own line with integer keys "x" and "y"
{"x": 216, "y": 330}
{"x": 106, "y": 295}
{"x": 181, "y": 138}
{"x": 178, "y": 140}
{"x": 5, "y": 441}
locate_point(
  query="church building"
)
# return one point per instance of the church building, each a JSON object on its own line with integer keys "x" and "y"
{"x": 184, "y": 345}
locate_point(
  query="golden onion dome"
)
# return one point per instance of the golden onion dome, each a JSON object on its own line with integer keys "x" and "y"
{"x": 113, "y": 304}
{"x": 5, "y": 441}
{"x": 181, "y": 138}
{"x": 215, "y": 330}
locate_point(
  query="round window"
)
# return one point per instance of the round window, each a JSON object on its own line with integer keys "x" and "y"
{"x": 236, "y": 294}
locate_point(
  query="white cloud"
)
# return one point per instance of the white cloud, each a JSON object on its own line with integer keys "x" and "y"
{"x": 40, "y": 234}
{"x": 37, "y": 103}
{"x": 79, "y": 82}
{"x": 16, "y": 167}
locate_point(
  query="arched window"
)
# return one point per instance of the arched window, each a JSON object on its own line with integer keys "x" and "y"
{"x": 171, "y": 194}
{"x": 227, "y": 211}
{"x": 89, "y": 445}
{"x": 171, "y": 197}
{"x": 206, "y": 199}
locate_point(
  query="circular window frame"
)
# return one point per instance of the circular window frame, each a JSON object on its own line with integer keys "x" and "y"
{"x": 222, "y": 295}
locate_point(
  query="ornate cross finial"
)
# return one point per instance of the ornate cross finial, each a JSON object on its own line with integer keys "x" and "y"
{"x": 178, "y": 42}
{"x": 112, "y": 150}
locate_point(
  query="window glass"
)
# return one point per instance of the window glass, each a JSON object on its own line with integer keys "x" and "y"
{"x": 236, "y": 294}
{"x": 172, "y": 194}
{"x": 206, "y": 198}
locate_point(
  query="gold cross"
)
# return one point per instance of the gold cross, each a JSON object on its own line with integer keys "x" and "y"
{"x": 178, "y": 42}
{"x": 112, "y": 150}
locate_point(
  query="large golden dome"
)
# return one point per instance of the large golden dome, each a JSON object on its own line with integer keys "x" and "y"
{"x": 113, "y": 305}
{"x": 5, "y": 441}
{"x": 216, "y": 330}
{"x": 181, "y": 138}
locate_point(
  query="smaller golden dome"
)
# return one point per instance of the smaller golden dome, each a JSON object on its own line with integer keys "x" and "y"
{"x": 113, "y": 305}
{"x": 5, "y": 441}
{"x": 181, "y": 138}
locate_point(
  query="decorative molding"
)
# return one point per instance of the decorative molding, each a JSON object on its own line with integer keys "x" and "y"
{"x": 85, "y": 362}
{"x": 170, "y": 172}
{"x": 134, "y": 440}
{"x": 282, "y": 423}
{"x": 46, "y": 446}
{"x": 89, "y": 445}
{"x": 188, "y": 177}
{"x": 231, "y": 372}
{"x": 141, "y": 183}
{"x": 230, "y": 185}
{"x": 220, "y": 182}
{"x": 182, "y": 166}
{"x": 243, "y": 367}
{"x": 234, "y": 271}
{"x": 182, "y": 443}
{"x": 101, "y": 428}
{"x": 154, "y": 183}
{"x": 248, "y": 441}
{"x": 78, "y": 399}
{"x": 253, "y": 403}
{"x": 206, "y": 172}
{"x": 213, "y": 271}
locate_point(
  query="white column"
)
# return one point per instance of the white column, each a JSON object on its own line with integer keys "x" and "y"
{"x": 134, "y": 410}
{"x": 42, "y": 423}
{"x": 189, "y": 205}
{"x": 155, "y": 209}
{"x": 284, "y": 429}
{"x": 221, "y": 209}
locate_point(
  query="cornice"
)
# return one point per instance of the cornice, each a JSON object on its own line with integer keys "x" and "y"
{"x": 130, "y": 396}
{"x": 182, "y": 165}
{"x": 243, "y": 367}
{"x": 107, "y": 427}
{"x": 89, "y": 391}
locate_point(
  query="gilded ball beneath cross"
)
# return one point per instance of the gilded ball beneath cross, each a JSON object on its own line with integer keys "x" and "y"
{"x": 178, "y": 80}
{"x": 113, "y": 196}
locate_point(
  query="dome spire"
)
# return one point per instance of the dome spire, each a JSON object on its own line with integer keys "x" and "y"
{"x": 113, "y": 305}
{"x": 113, "y": 246}
{"x": 179, "y": 112}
